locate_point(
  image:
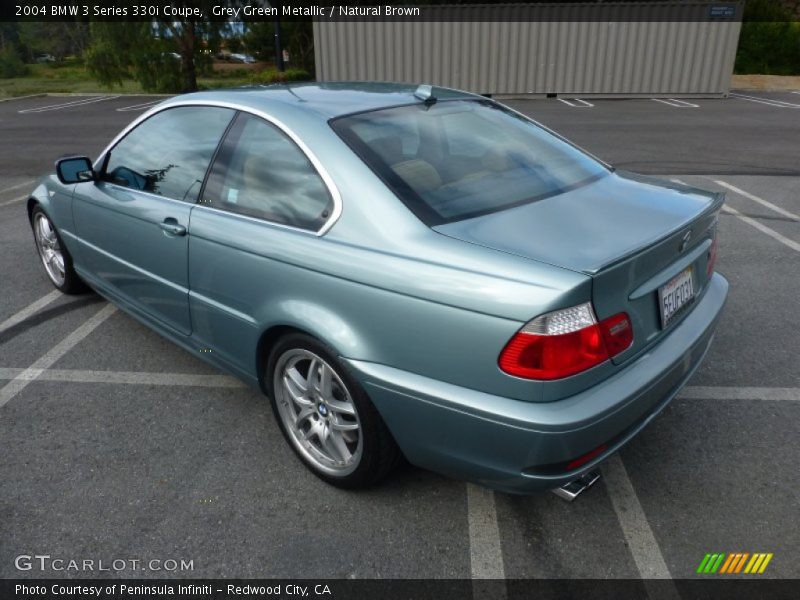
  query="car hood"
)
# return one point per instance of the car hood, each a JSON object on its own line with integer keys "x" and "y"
{"x": 591, "y": 227}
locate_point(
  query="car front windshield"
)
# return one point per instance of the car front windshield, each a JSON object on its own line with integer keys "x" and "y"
{"x": 458, "y": 159}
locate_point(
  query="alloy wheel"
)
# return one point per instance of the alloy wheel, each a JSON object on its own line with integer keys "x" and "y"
{"x": 318, "y": 412}
{"x": 49, "y": 249}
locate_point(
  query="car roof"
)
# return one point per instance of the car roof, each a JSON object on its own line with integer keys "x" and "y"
{"x": 324, "y": 100}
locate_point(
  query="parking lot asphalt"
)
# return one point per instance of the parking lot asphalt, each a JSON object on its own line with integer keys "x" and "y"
{"x": 118, "y": 444}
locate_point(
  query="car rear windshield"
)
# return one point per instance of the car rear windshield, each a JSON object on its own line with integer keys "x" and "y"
{"x": 458, "y": 159}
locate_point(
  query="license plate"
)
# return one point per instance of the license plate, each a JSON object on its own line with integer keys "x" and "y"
{"x": 674, "y": 295}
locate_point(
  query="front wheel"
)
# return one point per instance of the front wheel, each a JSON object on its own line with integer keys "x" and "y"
{"x": 326, "y": 416}
{"x": 54, "y": 256}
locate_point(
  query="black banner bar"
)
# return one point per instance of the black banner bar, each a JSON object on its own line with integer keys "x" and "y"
{"x": 711, "y": 588}
{"x": 412, "y": 11}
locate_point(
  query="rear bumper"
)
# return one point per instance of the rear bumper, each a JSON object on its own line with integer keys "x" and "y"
{"x": 511, "y": 445}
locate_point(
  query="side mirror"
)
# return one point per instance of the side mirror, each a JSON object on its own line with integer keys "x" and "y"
{"x": 74, "y": 169}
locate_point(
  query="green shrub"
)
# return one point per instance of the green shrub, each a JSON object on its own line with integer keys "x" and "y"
{"x": 231, "y": 73}
{"x": 274, "y": 76}
{"x": 11, "y": 64}
{"x": 769, "y": 43}
{"x": 159, "y": 73}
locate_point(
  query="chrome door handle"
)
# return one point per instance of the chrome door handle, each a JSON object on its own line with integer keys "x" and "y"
{"x": 172, "y": 226}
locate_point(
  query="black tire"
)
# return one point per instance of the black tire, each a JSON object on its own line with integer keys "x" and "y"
{"x": 379, "y": 454}
{"x": 72, "y": 283}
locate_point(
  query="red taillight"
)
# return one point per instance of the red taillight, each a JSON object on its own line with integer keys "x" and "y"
{"x": 582, "y": 460}
{"x": 553, "y": 356}
{"x": 617, "y": 333}
{"x": 712, "y": 257}
{"x": 564, "y": 343}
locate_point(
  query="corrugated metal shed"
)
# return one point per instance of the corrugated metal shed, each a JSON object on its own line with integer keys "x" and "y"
{"x": 520, "y": 50}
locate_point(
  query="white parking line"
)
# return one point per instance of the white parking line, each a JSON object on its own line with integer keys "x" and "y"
{"x": 123, "y": 377}
{"x": 684, "y": 102}
{"x": 21, "y": 381}
{"x": 768, "y": 101}
{"x": 638, "y": 534}
{"x": 674, "y": 102}
{"x": 19, "y": 185}
{"x": 758, "y": 101}
{"x": 137, "y": 107}
{"x": 667, "y": 102}
{"x": 482, "y": 504}
{"x": 763, "y": 228}
{"x": 13, "y": 200}
{"x": 755, "y": 198}
{"x": 583, "y": 103}
{"x": 66, "y": 105}
{"x": 485, "y": 552}
{"x": 29, "y": 310}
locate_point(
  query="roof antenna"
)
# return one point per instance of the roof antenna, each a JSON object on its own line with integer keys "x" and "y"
{"x": 291, "y": 91}
{"x": 425, "y": 93}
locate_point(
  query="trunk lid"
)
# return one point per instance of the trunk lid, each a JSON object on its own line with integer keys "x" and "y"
{"x": 631, "y": 233}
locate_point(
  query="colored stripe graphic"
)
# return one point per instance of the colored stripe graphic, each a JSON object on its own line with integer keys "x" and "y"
{"x": 741, "y": 561}
{"x": 751, "y": 563}
{"x": 717, "y": 563}
{"x": 765, "y": 563}
{"x": 727, "y": 565}
{"x": 755, "y": 563}
{"x": 703, "y": 563}
{"x": 724, "y": 563}
{"x": 710, "y": 564}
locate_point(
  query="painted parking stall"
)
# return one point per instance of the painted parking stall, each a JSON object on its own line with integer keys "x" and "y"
{"x": 67, "y": 105}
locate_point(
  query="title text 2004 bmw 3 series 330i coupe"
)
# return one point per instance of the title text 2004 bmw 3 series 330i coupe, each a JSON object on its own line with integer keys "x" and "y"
{"x": 405, "y": 271}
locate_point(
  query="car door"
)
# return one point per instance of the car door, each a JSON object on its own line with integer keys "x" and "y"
{"x": 263, "y": 195}
{"x": 133, "y": 224}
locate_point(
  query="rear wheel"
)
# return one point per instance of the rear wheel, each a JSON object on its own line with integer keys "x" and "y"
{"x": 54, "y": 256}
{"x": 326, "y": 416}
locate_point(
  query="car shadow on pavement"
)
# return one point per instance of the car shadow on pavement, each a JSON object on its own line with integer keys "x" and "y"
{"x": 46, "y": 315}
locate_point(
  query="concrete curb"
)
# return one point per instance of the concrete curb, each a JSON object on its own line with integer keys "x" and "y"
{"x": 22, "y": 97}
{"x": 120, "y": 94}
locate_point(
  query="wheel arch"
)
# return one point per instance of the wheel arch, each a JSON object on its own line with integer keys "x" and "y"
{"x": 266, "y": 343}
{"x": 32, "y": 202}
{"x": 42, "y": 196}
{"x": 342, "y": 334}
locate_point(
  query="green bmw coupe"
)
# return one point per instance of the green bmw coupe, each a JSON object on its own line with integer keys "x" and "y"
{"x": 405, "y": 271}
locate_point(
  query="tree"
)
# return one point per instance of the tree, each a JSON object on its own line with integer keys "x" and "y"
{"x": 123, "y": 50}
{"x": 163, "y": 55}
{"x": 11, "y": 64}
{"x": 297, "y": 36}
{"x": 769, "y": 42}
{"x": 58, "y": 38}
{"x": 9, "y": 34}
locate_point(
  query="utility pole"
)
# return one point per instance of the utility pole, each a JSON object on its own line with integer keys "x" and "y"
{"x": 278, "y": 44}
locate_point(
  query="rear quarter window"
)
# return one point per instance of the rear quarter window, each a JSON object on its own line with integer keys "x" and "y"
{"x": 262, "y": 173}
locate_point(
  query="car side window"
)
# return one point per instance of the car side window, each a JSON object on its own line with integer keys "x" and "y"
{"x": 262, "y": 173}
{"x": 169, "y": 153}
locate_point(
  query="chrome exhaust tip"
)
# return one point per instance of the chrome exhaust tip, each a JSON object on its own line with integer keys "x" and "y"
{"x": 576, "y": 487}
